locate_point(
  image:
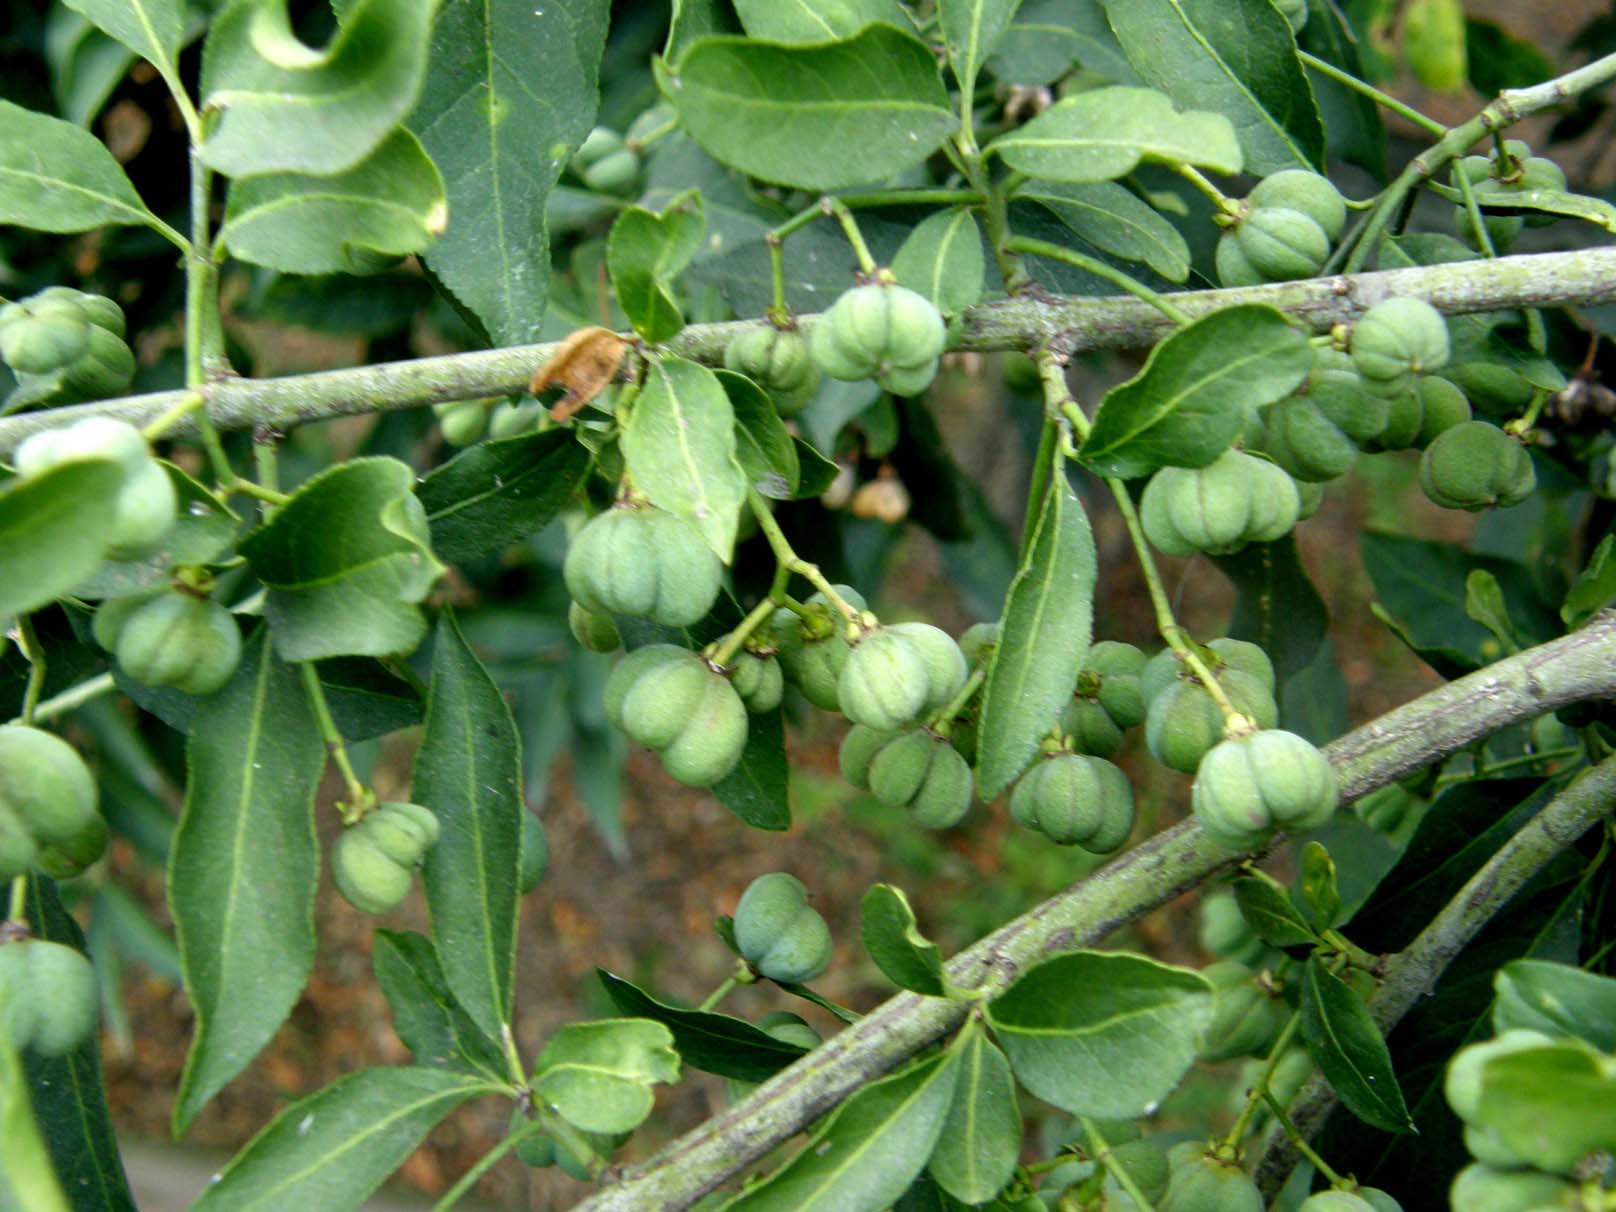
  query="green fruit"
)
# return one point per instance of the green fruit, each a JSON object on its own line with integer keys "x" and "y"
{"x": 1117, "y": 667}
{"x": 1335, "y": 1201}
{"x": 618, "y": 174}
{"x": 1233, "y": 267}
{"x": 758, "y": 680}
{"x": 1298, "y": 189}
{"x": 1442, "y": 406}
{"x": 1199, "y": 1182}
{"x": 882, "y": 332}
{"x": 366, "y": 877}
{"x": 946, "y": 669}
{"x": 1244, "y": 1018}
{"x": 978, "y": 643}
{"x": 1184, "y": 722}
{"x": 628, "y": 672}
{"x": 1405, "y": 414}
{"x": 1247, "y": 785}
{"x": 1491, "y": 387}
{"x": 1474, "y": 466}
{"x": 47, "y": 995}
{"x": 189, "y": 644}
{"x": 106, "y": 369}
{"x": 1282, "y": 244}
{"x": 17, "y": 846}
{"x": 1462, "y": 1083}
{"x": 858, "y": 751}
{"x": 1076, "y": 800}
{"x": 778, "y": 361}
{"x": 1225, "y": 932}
{"x": 37, "y": 339}
{"x": 1306, "y": 443}
{"x": 463, "y": 421}
{"x": 508, "y": 419}
{"x": 1485, "y": 1145}
{"x": 1479, "y": 1188}
{"x": 595, "y": 632}
{"x": 147, "y": 503}
{"x": 1242, "y": 656}
{"x": 1399, "y": 337}
{"x": 1340, "y": 394}
{"x": 107, "y": 624}
{"x": 96, "y": 309}
{"x": 1090, "y": 727}
{"x": 1218, "y": 509}
{"x": 814, "y": 652}
{"x": 46, "y": 785}
{"x": 1378, "y": 1200}
{"x": 710, "y": 744}
{"x": 67, "y": 859}
{"x": 884, "y": 683}
{"x": 922, "y": 772}
{"x": 402, "y": 831}
{"x": 643, "y": 562}
{"x": 778, "y": 933}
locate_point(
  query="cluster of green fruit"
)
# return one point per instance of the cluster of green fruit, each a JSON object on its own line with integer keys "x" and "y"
{"x": 372, "y": 861}
{"x": 50, "y": 818}
{"x": 1496, "y": 182}
{"x": 779, "y": 361}
{"x": 881, "y": 331}
{"x": 146, "y": 505}
{"x": 65, "y": 346}
{"x": 48, "y": 999}
{"x": 174, "y": 637}
{"x": 1201, "y": 1178}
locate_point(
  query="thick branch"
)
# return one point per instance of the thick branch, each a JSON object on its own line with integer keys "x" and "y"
{"x": 1024, "y": 322}
{"x": 1577, "y": 667}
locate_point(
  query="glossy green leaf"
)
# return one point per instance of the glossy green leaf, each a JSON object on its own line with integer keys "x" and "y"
{"x": 203, "y": 530}
{"x": 1114, "y": 221}
{"x": 971, "y": 29}
{"x": 869, "y": 1152}
{"x": 814, "y": 117}
{"x": 909, "y": 959}
{"x": 51, "y": 536}
{"x": 244, "y": 868}
{"x": 1556, "y": 999}
{"x": 468, "y": 770}
{"x": 346, "y": 561}
{"x": 818, "y": 472}
{"x": 694, "y": 19}
{"x": 1105, "y": 133}
{"x": 1196, "y": 392}
{"x": 332, "y": 1149}
{"x": 1098, "y": 1033}
{"x": 1542, "y": 201}
{"x": 153, "y": 29}
{"x": 1484, "y": 603}
{"x": 1278, "y": 607}
{"x": 385, "y": 207}
{"x": 679, "y": 445}
{"x": 714, "y": 1043}
{"x": 1352, "y": 122}
{"x": 1346, "y": 1045}
{"x": 85, "y": 65}
{"x": 811, "y": 21}
{"x": 1595, "y": 586}
{"x": 943, "y": 260}
{"x": 426, "y": 1014}
{"x": 1237, "y": 57}
{"x": 1270, "y": 912}
{"x": 980, "y": 1143}
{"x": 1046, "y": 628}
{"x": 598, "y": 1075}
{"x": 499, "y": 492}
{"x": 764, "y": 446}
{"x": 1047, "y": 38}
{"x": 756, "y": 791}
{"x": 1318, "y": 886}
{"x": 287, "y": 108}
{"x": 1553, "y": 1105}
{"x": 27, "y": 1177}
{"x": 56, "y": 177}
{"x": 509, "y": 93}
{"x": 645, "y": 254}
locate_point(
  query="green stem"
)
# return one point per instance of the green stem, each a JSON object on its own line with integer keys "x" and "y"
{"x": 188, "y": 403}
{"x": 73, "y": 697}
{"x": 1093, "y": 265}
{"x": 942, "y": 722}
{"x": 1231, "y": 1140}
{"x": 1225, "y": 204}
{"x": 19, "y": 899}
{"x": 1101, "y": 1152}
{"x": 850, "y": 228}
{"x": 1430, "y": 125}
{"x": 720, "y": 993}
{"x": 485, "y": 1163}
{"x": 1473, "y": 216}
{"x": 360, "y": 798}
{"x": 736, "y": 640}
{"x": 789, "y": 559}
{"x": 35, "y": 656}
{"x": 1300, "y": 1141}
{"x": 513, "y": 1058}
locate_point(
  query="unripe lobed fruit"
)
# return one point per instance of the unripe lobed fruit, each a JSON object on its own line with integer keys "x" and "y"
{"x": 1480, "y": 1188}
{"x": 1397, "y": 338}
{"x": 779, "y": 362}
{"x": 1090, "y": 727}
{"x": 758, "y": 680}
{"x": 1474, "y": 465}
{"x": 1218, "y": 509}
{"x": 1335, "y": 1201}
{"x": 1247, "y": 785}
{"x": 812, "y": 658}
{"x": 462, "y": 422}
{"x": 1244, "y": 1018}
{"x": 1282, "y": 244}
{"x": 680, "y": 706}
{"x": 1185, "y": 722}
{"x": 778, "y": 933}
{"x": 1298, "y": 189}
{"x": 186, "y": 643}
{"x": 18, "y": 849}
{"x": 1198, "y": 1182}
{"x": 38, "y": 338}
{"x": 884, "y": 683}
{"x": 46, "y": 785}
{"x": 643, "y": 562}
{"x": 946, "y": 669}
{"x": 1442, "y": 406}
{"x": 1405, "y": 414}
{"x": 1306, "y": 443}
{"x": 67, "y": 859}
{"x": 922, "y": 772}
{"x": 147, "y": 502}
{"x": 1076, "y": 800}
{"x": 711, "y": 743}
{"x": 858, "y": 751}
{"x": 47, "y": 996}
{"x": 628, "y": 671}
{"x": 1225, "y": 932}
{"x": 1118, "y": 667}
{"x": 1462, "y": 1082}
{"x": 979, "y": 642}
{"x": 372, "y": 861}
{"x": 1223, "y": 653}
{"x": 1233, "y": 267}
{"x": 595, "y": 632}
{"x": 885, "y": 332}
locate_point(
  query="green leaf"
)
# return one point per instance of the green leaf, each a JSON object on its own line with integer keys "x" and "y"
{"x": 756, "y": 790}
{"x": 1434, "y": 42}
{"x": 598, "y": 1076}
{"x": 1047, "y": 38}
{"x": 203, "y": 530}
{"x": 814, "y": 117}
{"x": 244, "y": 868}
{"x": 1100, "y": 1033}
{"x": 27, "y": 1177}
{"x": 1196, "y": 392}
{"x": 1556, "y": 999}
{"x": 426, "y": 1014}
{"x": 385, "y": 207}
{"x": 153, "y": 29}
{"x": 818, "y": 472}
{"x": 764, "y": 446}
{"x": 679, "y": 445}
{"x": 909, "y": 959}
{"x": 645, "y": 254}
{"x": 1278, "y": 609}
{"x": 1270, "y": 912}
{"x": 69, "y": 1092}
{"x": 499, "y": 492}
{"x": 1318, "y": 886}
{"x": 714, "y": 1043}
{"x": 1237, "y": 57}
{"x": 694, "y": 19}
{"x": 811, "y": 21}
{"x": 1114, "y": 221}
{"x": 1484, "y": 604}
{"x": 971, "y": 29}
{"x": 50, "y": 532}
{"x": 1105, "y": 133}
{"x": 1595, "y": 586}
{"x": 869, "y": 1152}
{"x": 1553, "y": 1105}
{"x": 1499, "y": 60}
{"x": 57, "y": 177}
{"x": 469, "y": 772}
{"x": 345, "y": 562}
{"x": 332, "y": 1149}
{"x": 942, "y": 259}
{"x": 85, "y": 65}
{"x": 980, "y": 1143}
{"x": 1045, "y": 632}
{"x": 1352, "y": 122}
{"x": 501, "y": 140}
{"x": 286, "y": 108}
{"x": 1347, "y": 1047}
